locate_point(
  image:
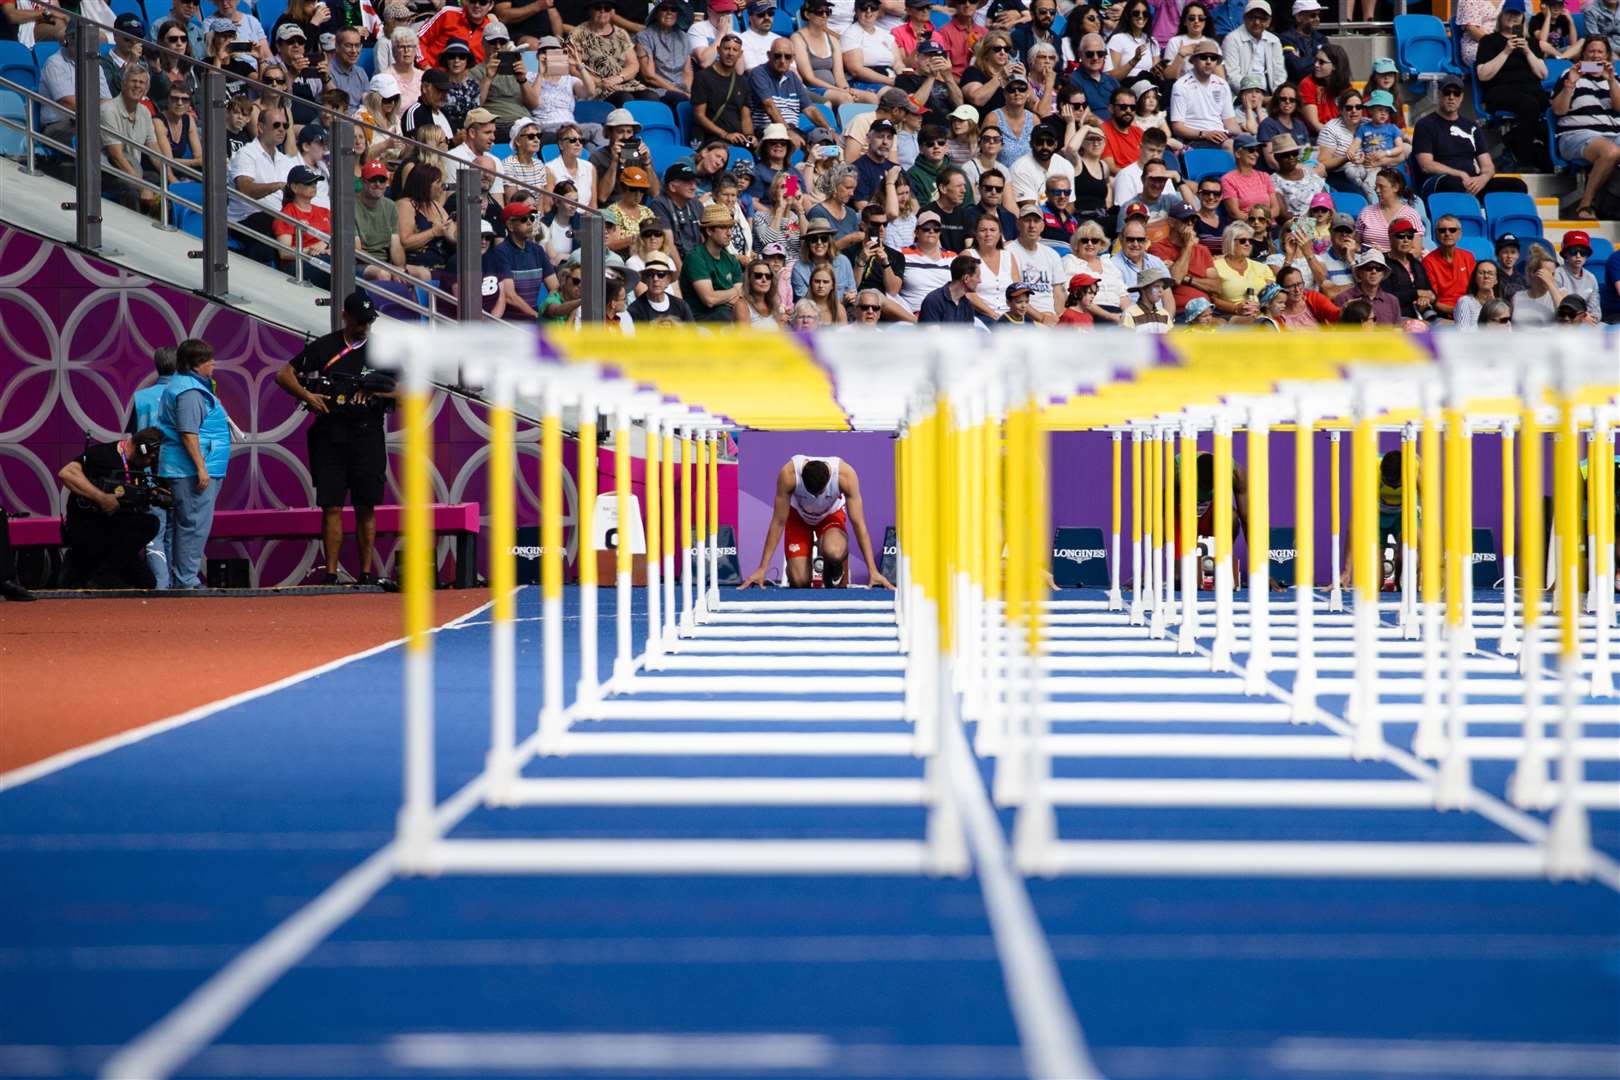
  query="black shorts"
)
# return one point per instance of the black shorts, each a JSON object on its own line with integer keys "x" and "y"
{"x": 348, "y": 459}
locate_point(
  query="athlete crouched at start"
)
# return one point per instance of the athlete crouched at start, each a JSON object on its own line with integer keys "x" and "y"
{"x": 820, "y": 498}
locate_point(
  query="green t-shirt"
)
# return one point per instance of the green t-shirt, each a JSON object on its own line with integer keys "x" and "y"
{"x": 376, "y": 226}
{"x": 505, "y": 97}
{"x": 722, "y": 272}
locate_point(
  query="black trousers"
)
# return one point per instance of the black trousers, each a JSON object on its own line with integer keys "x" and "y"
{"x": 108, "y": 552}
{"x": 1527, "y": 137}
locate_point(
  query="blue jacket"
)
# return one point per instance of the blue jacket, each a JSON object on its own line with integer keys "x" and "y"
{"x": 147, "y": 402}
{"x": 214, "y": 435}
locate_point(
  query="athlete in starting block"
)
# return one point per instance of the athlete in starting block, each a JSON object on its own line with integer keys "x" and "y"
{"x": 817, "y": 497}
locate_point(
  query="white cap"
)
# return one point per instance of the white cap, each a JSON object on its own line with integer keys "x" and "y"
{"x": 1257, "y": 5}
{"x": 1306, "y": 5}
{"x": 384, "y": 84}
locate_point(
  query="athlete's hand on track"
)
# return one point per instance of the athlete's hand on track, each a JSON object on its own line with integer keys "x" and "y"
{"x": 881, "y": 582}
{"x": 758, "y": 578}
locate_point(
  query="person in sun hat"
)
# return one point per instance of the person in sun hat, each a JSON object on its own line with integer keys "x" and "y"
{"x": 1383, "y": 143}
{"x": 711, "y": 278}
{"x": 1386, "y": 76}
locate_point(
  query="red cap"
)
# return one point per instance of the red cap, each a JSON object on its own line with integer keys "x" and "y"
{"x": 372, "y": 170}
{"x": 517, "y": 208}
{"x": 1576, "y": 238}
{"x": 1081, "y": 281}
{"x": 1136, "y": 209}
{"x": 1402, "y": 226}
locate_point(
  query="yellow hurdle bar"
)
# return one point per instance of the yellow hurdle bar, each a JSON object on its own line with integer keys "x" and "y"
{"x": 415, "y": 824}
{"x": 945, "y": 495}
{"x": 1567, "y": 515}
{"x": 1408, "y": 542}
{"x": 1259, "y": 542}
{"x": 1367, "y": 567}
{"x": 700, "y": 498}
{"x": 552, "y": 724}
{"x": 1455, "y": 477}
{"x": 1040, "y": 501}
{"x": 585, "y": 466}
{"x": 1465, "y": 532}
{"x": 1569, "y": 838}
{"x": 1224, "y": 557}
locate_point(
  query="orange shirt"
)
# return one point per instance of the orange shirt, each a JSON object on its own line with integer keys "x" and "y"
{"x": 318, "y": 218}
{"x": 1449, "y": 279}
{"x": 1125, "y": 147}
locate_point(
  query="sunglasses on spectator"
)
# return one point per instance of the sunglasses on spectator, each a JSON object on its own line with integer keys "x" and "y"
{"x": 1135, "y": 239}
{"x": 1445, "y": 230}
{"x": 936, "y": 142}
{"x": 1095, "y": 54}
{"x": 1210, "y": 193}
{"x": 761, "y": 277}
{"x": 930, "y": 228}
{"x": 996, "y": 48}
{"x": 576, "y": 281}
{"x": 175, "y": 39}
{"x": 869, "y": 307}
{"x": 655, "y": 273}
{"x": 276, "y": 126}
{"x": 527, "y": 219}
{"x": 996, "y": 190}
{"x": 990, "y": 137}
{"x": 181, "y": 98}
{"x": 569, "y": 139}
{"x": 1244, "y": 240}
{"x": 1351, "y": 107}
{"x": 1286, "y": 98}
{"x": 1057, "y": 191}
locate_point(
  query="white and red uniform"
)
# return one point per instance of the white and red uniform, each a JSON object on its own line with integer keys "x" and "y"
{"x": 813, "y": 514}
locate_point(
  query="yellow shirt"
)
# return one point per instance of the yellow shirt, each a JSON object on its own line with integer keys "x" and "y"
{"x": 1233, "y": 284}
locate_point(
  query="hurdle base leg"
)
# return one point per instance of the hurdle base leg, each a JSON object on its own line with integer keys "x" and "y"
{"x": 946, "y": 839}
{"x": 1528, "y": 787}
{"x": 417, "y": 836}
{"x": 1569, "y": 842}
{"x": 1034, "y": 834}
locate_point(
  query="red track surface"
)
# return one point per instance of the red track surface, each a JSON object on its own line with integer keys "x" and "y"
{"x": 74, "y": 671}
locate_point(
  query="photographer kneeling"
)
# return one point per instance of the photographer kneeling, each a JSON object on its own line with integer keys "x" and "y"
{"x": 109, "y": 521}
{"x": 347, "y": 448}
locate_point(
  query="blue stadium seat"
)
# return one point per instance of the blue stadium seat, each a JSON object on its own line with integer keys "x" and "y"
{"x": 1347, "y": 202}
{"x": 1579, "y": 19}
{"x": 654, "y": 116}
{"x": 1559, "y": 161}
{"x": 185, "y": 218}
{"x": 17, "y": 65}
{"x": 1422, "y": 47}
{"x": 44, "y": 50}
{"x": 738, "y": 153}
{"x": 1602, "y": 248}
{"x": 14, "y": 107}
{"x": 850, "y": 110}
{"x": 1201, "y": 163}
{"x": 268, "y": 11}
{"x": 665, "y": 149}
{"x": 784, "y": 22}
{"x": 1481, "y": 112}
{"x": 683, "y": 120}
{"x": 500, "y": 151}
{"x": 368, "y": 60}
{"x": 1479, "y": 247}
{"x": 1556, "y": 66}
{"x": 592, "y": 112}
{"x": 939, "y": 18}
{"x": 550, "y": 152}
{"x": 1464, "y": 207}
{"x": 1512, "y": 212}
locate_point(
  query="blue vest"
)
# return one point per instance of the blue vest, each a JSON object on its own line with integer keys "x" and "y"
{"x": 214, "y": 435}
{"x": 148, "y": 403}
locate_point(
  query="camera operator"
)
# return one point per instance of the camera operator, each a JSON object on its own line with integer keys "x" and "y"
{"x": 143, "y": 413}
{"x": 347, "y": 452}
{"x": 107, "y": 525}
{"x": 196, "y": 452}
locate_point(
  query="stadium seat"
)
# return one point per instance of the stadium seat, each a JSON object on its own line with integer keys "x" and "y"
{"x": 17, "y": 65}
{"x": 1479, "y": 247}
{"x": 500, "y": 151}
{"x": 1559, "y": 161}
{"x": 128, "y": 7}
{"x": 1201, "y": 163}
{"x": 13, "y": 107}
{"x": 44, "y": 50}
{"x": 368, "y": 60}
{"x": 654, "y": 116}
{"x": 550, "y": 152}
{"x": 592, "y": 112}
{"x": 1512, "y": 212}
{"x": 850, "y": 110}
{"x": 1348, "y": 202}
{"x": 268, "y": 11}
{"x": 1481, "y": 112}
{"x": 939, "y": 18}
{"x": 1556, "y": 66}
{"x": 665, "y": 150}
{"x": 185, "y": 218}
{"x": 1602, "y": 248}
{"x": 1579, "y": 19}
{"x": 683, "y": 121}
{"x": 1422, "y": 48}
{"x": 1464, "y": 207}
{"x": 738, "y": 153}
{"x": 784, "y": 22}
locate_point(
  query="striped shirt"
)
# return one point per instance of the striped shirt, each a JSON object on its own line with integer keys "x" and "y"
{"x": 1590, "y": 109}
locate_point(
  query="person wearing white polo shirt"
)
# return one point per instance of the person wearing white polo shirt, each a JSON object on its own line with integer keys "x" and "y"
{"x": 1042, "y": 267}
{"x": 1201, "y": 112}
{"x": 1255, "y": 50}
{"x": 258, "y": 174}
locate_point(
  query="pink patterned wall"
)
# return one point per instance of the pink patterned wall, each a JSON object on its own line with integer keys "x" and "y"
{"x": 76, "y": 341}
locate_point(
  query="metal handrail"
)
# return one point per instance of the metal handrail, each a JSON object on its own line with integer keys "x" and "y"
{"x": 344, "y": 251}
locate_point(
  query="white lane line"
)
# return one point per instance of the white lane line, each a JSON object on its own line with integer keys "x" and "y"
{"x": 165, "y": 1047}
{"x": 615, "y": 1050}
{"x": 1054, "y": 1045}
{"x": 68, "y": 758}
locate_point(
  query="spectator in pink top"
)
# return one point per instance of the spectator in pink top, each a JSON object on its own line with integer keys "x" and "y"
{"x": 1394, "y": 204}
{"x": 1247, "y": 186}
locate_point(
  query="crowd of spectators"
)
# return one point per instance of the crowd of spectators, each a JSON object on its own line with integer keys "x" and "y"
{"x": 1007, "y": 162}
